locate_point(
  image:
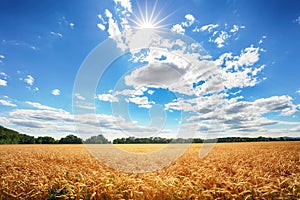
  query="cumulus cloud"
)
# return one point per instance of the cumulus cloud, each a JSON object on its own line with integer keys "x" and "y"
{"x": 49, "y": 120}
{"x": 113, "y": 29}
{"x": 220, "y": 40}
{"x": 142, "y": 102}
{"x": 164, "y": 75}
{"x": 235, "y": 115}
{"x": 205, "y": 82}
{"x": 126, "y": 4}
{"x": 2, "y": 56}
{"x": 7, "y": 103}
{"x": 173, "y": 73}
{"x": 107, "y": 97}
{"x": 3, "y": 82}
{"x": 55, "y": 92}
{"x": 29, "y": 80}
{"x": 248, "y": 57}
{"x": 190, "y": 19}
{"x": 177, "y": 28}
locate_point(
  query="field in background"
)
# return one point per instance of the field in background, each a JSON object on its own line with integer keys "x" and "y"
{"x": 232, "y": 170}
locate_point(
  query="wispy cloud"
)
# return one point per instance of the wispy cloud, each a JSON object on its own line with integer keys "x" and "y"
{"x": 19, "y": 43}
{"x": 7, "y": 103}
{"x": 40, "y": 106}
{"x": 208, "y": 27}
{"x": 297, "y": 20}
{"x": 56, "y": 34}
{"x": 79, "y": 96}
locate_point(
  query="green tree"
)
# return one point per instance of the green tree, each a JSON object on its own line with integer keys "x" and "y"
{"x": 46, "y": 140}
{"x": 99, "y": 139}
{"x": 70, "y": 139}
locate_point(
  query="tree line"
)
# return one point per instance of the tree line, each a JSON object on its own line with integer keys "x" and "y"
{"x": 159, "y": 140}
{"x": 8, "y": 136}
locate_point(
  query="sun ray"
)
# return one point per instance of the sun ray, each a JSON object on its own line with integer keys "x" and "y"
{"x": 149, "y": 17}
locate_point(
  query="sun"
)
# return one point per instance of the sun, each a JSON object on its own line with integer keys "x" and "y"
{"x": 146, "y": 19}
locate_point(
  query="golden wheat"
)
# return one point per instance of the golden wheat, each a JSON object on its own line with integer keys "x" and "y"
{"x": 230, "y": 171}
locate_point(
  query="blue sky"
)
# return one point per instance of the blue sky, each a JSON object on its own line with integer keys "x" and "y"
{"x": 248, "y": 49}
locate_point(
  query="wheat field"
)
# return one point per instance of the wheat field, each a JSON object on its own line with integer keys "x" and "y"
{"x": 262, "y": 170}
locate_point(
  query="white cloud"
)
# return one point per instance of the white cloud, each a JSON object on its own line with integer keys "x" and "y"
{"x": 56, "y": 34}
{"x": 208, "y": 27}
{"x": 131, "y": 92}
{"x": 79, "y": 97}
{"x": 101, "y": 18}
{"x": 2, "y": 56}
{"x": 177, "y": 28}
{"x": 107, "y": 97}
{"x": 3, "y": 74}
{"x": 113, "y": 29}
{"x": 29, "y": 80}
{"x": 236, "y": 28}
{"x": 190, "y": 19}
{"x": 165, "y": 75}
{"x": 262, "y": 39}
{"x": 180, "y": 104}
{"x": 150, "y": 92}
{"x": 142, "y": 102}
{"x": 108, "y": 14}
{"x": 297, "y": 20}
{"x": 248, "y": 57}
{"x": 101, "y": 27}
{"x": 7, "y": 103}
{"x": 40, "y": 106}
{"x": 3, "y": 82}
{"x": 126, "y": 4}
{"x": 233, "y": 115}
{"x": 72, "y": 25}
{"x": 174, "y": 72}
{"x": 298, "y": 92}
{"x": 220, "y": 40}
{"x": 55, "y": 92}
